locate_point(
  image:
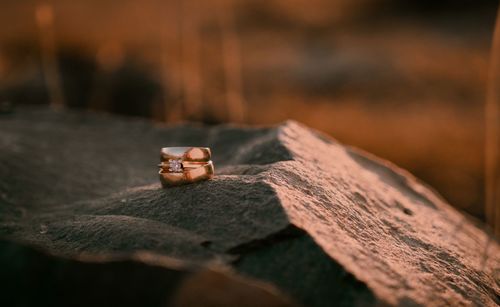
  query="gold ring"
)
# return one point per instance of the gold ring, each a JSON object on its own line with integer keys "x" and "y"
{"x": 194, "y": 154}
{"x": 182, "y": 165}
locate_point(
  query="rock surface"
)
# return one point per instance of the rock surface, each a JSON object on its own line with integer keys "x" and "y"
{"x": 324, "y": 223}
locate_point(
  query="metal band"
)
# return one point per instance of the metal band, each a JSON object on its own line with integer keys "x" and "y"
{"x": 193, "y": 154}
{"x": 188, "y": 175}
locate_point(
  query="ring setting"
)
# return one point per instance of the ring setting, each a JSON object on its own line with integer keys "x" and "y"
{"x": 175, "y": 166}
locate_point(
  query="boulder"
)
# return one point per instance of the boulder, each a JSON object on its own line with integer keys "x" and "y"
{"x": 292, "y": 217}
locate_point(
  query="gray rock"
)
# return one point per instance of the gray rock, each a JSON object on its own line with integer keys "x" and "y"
{"x": 325, "y": 223}
{"x": 32, "y": 278}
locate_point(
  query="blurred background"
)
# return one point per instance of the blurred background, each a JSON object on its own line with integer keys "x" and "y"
{"x": 405, "y": 80}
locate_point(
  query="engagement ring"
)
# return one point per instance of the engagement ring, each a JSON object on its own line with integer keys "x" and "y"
{"x": 182, "y": 165}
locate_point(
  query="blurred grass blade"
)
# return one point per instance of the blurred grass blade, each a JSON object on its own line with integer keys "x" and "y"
{"x": 44, "y": 17}
{"x": 492, "y": 109}
{"x": 171, "y": 56}
{"x": 191, "y": 58}
{"x": 232, "y": 62}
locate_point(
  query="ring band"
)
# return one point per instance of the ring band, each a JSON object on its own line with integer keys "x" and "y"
{"x": 203, "y": 172}
{"x": 182, "y": 165}
{"x": 194, "y": 154}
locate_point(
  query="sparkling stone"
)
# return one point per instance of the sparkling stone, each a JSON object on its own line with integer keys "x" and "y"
{"x": 175, "y": 166}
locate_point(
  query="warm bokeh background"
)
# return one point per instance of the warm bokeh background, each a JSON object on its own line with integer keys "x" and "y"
{"x": 405, "y": 80}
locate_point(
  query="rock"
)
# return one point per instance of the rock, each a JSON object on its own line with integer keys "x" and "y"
{"x": 324, "y": 223}
{"x": 138, "y": 279}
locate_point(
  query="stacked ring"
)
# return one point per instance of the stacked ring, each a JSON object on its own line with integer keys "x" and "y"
{"x": 183, "y": 165}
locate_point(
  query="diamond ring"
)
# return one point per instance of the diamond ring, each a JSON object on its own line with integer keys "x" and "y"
{"x": 182, "y": 165}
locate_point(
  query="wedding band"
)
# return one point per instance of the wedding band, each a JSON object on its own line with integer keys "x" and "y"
{"x": 182, "y": 165}
{"x": 194, "y": 154}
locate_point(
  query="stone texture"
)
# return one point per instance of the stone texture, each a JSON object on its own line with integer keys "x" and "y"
{"x": 137, "y": 279}
{"x": 325, "y": 223}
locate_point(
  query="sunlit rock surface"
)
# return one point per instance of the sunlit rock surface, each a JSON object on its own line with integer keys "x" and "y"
{"x": 293, "y": 212}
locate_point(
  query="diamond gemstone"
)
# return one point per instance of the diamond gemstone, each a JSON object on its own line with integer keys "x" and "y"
{"x": 175, "y": 166}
